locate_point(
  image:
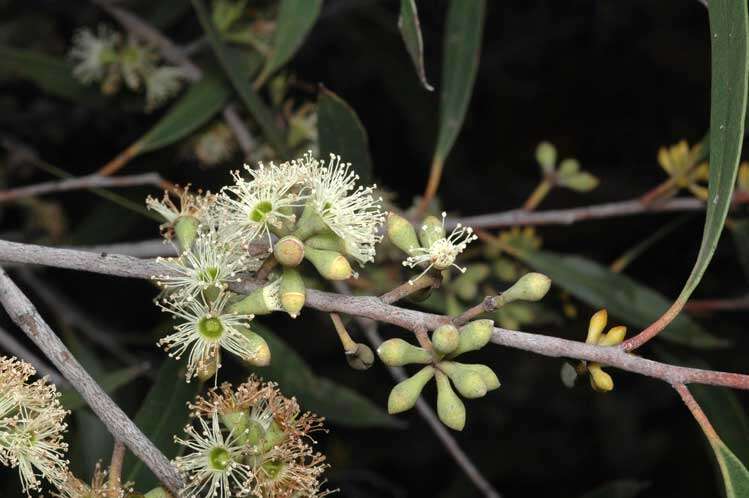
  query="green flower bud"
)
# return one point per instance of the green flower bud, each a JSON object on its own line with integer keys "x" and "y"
{"x": 289, "y": 251}
{"x": 397, "y": 352}
{"x": 431, "y": 231}
{"x": 401, "y": 233}
{"x": 293, "y": 291}
{"x": 158, "y": 493}
{"x": 330, "y": 264}
{"x": 361, "y": 358}
{"x": 568, "y": 168}
{"x": 467, "y": 381}
{"x": 613, "y": 337}
{"x": 404, "y": 395}
{"x": 445, "y": 338}
{"x": 531, "y": 287}
{"x": 327, "y": 242}
{"x": 580, "y": 182}
{"x": 186, "y": 229}
{"x": 260, "y": 356}
{"x": 473, "y": 336}
{"x": 450, "y": 409}
{"x": 546, "y": 155}
{"x": 258, "y": 302}
{"x": 309, "y": 224}
{"x": 487, "y": 375}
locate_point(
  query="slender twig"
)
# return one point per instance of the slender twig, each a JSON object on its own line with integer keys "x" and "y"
{"x": 25, "y": 315}
{"x": 696, "y": 411}
{"x": 17, "y": 349}
{"x": 568, "y": 216}
{"x": 487, "y": 305}
{"x": 426, "y": 412}
{"x": 407, "y": 288}
{"x": 82, "y": 182}
{"x": 139, "y": 249}
{"x": 175, "y": 55}
{"x": 372, "y": 307}
{"x": 115, "y": 469}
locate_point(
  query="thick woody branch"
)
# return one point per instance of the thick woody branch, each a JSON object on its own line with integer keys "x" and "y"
{"x": 25, "y": 315}
{"x": 372, "y": 307}
{"x": 83, "y": 182}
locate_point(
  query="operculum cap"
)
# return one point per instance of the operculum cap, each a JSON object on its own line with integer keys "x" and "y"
{"x": 331, "y": 265}
{"x": 260, "y": 352}
{"x": 404, "y": 395}
{"x": 467, "y": 381}
{"x": 361, "y": 358}
{"x": 473, "y": 336}
{"x": 289, "y": 251}
{"x": 293, "y": 292}
{"x": 446, "y": 338}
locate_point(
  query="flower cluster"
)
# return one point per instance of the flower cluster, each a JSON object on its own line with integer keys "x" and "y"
{"x": 104, "y": 57}
{"x": 32, "y": 424}
{"x": 275, "y": 213}
{"x": 250, "y": 441}
{"x": 683, "y": 164}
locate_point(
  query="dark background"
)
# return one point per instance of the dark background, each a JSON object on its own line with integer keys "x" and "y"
{"x": 607, "y": 81}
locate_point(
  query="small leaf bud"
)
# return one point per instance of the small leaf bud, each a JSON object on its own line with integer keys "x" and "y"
{"x": 401, "y": 233}
{"x": 613, "y": 337}
{"x": 404, "y": 395}
{"x": 330, "y": 264}
{"x": 293, "y": 291}
{"x": 360, "y": 358}
{"x": 473, "y": 336}
{"x": 600, "y": 380}
{"x": 450, "y": 409}
{"x": 530, "y": 287}
{"x": 445, "y": 338}
{"x": 596, "y": 325}
{"x": 467, "y": 381}
{"x": 397, "y": 352}
{"x": 289, "y": 251}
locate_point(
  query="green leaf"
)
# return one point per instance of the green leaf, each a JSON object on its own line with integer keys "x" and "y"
{"x": 200, "y": 103}
{"x": 465, "y": 22}
{"x": 735, "y": 475}
{"x": 625, "y": 298}
{"x": 337, "y": 403}
{"x": 623, "y": 488}
{"x": 723, "y": 409}
{"x": 161, "y": 416}
{"x": 740, "y": 231}
{"x": 728, "y": 96}
{"x": 52, "y": 74}
{"x": 408, "y": 24}
{"x": 110, "y": 382}
{"x": 240, "y": 66}
{"x": 294, "y": 22}
{"x": 341, "y": 133}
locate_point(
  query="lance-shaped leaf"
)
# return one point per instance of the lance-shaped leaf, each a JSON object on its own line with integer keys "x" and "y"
{"x": 294, "y": 22}
{"x": 340, "y": 132}
{"x": 408, "y": 24}
{"x": 728, "y": 97}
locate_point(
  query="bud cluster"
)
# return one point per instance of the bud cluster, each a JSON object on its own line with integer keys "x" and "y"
{"x": 600, "y": 380}
{"x": 471, "y": 380}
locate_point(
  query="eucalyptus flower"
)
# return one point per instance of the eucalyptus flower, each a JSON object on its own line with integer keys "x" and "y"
{"x": 92, "y": 53}
{"x": 162, "y": 83}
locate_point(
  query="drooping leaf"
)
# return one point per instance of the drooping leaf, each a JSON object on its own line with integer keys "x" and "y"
{"x": 160, "y": 417}
{"x": 462, "y": 44}
{"x": 109, "y": 382}
{"x": 625, "y": 298}
{"x": 341, "y": 133}
{"x": 740, "y": 231}
{"x": 339, "y": 404}
{"x": 240, "y": 68}
{"x": 408, "y": 24}
{"x": 195, "y": 108}
{"x": 294, "y": 22}
{"x": 728, "y": 97}
{"x": 52, "y": 74}
{"x": 735, "y": 475}
{"x": 624, "y": 488}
